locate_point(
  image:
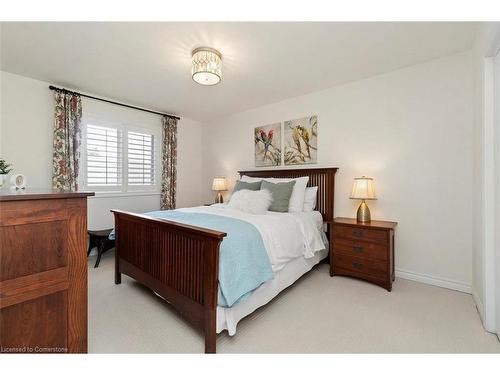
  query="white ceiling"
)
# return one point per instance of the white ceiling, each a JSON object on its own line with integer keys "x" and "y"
{"x": 148, "y": 64}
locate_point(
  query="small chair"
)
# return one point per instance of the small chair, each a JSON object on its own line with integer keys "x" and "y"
{"x": 100, "y": 239}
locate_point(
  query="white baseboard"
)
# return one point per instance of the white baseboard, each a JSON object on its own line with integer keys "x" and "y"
{"x": 488, "y": 326}
{"x": 479, "y": 305}
{"x": 433, "y": 280}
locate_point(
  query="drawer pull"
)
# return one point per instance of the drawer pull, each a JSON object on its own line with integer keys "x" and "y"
{"x": 357, "y": 233}
{"x": 356, "y": 265}
{"x": 357, "y": 249}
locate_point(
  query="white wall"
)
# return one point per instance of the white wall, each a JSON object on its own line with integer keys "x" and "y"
{"x": 27, "y": 119}
{"x": 26, "y": 142}
{"x": 412, "y": 131}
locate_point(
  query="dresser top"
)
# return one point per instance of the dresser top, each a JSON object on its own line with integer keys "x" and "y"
{"x": 9, "y": 194}
{"x": 372, "y": 224}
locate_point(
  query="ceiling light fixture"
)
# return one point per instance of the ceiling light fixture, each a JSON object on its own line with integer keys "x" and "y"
{"x": 207, "y": 66}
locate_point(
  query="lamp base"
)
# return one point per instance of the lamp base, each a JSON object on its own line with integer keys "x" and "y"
{"x": 219, "y": 198}
{"x": 363, "y": 215}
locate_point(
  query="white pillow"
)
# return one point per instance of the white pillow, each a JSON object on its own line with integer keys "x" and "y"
{"x": 255, "y": 202}
{"x": 310, "y": 199}
{"x": 298, "y": 193}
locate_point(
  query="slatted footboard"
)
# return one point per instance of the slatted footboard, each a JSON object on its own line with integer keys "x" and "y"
{"x": 179, "y": 262}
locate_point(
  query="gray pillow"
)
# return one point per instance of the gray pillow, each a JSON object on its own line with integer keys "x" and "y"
{"x": 242, "y": 185}
{"x": 281, "y": 191}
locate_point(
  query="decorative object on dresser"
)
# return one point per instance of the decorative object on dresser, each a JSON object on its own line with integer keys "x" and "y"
{"x": 18, "y": 181}
{"x": 5, "y": 169}
{"x": 363, "y": 250}
{"x": 363, "y": 188}
{"x": 219, "y": 185}
{"x": 100, "y": 239}
{"x": 43, "y": 272}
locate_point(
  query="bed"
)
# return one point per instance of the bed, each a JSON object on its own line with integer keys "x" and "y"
{"x": 180, "y": 262}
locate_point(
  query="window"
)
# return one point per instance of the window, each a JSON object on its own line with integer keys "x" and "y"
{"x": 141, "y": 159}
{"x": 118, "y": 158}
{"x": 104, "y": 157}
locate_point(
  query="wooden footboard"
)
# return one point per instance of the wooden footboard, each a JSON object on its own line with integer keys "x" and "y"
{"x": 179, "y": 262}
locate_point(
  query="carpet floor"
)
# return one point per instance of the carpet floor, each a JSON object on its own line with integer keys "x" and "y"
{"x": 317, "y": 314}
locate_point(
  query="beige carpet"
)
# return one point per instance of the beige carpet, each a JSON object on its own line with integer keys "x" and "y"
{"x": 318, "y": 314}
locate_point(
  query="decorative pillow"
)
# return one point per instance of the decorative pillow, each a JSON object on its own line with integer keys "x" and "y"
{"x": 242, "y": 185}
{"x": 250, "y": 201}
{"x": 253, "y": 179}
{"x": 298, "y": 194}
{"x": 281, "y": 192}
{"x": 310, "y": 199}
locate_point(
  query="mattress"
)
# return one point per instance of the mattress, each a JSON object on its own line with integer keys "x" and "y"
{"x": 285, "y": 235}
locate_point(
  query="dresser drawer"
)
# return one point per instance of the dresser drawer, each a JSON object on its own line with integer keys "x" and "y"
{"x": 360, "y": 265}
{"x": 363, "y": 249}
{"x": 353, "y": 233}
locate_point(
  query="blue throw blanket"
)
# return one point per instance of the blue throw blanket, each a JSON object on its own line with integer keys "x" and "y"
{"x": 243, "y": 261}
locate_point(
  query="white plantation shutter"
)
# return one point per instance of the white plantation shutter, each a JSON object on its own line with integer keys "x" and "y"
{"x": 103, "y": 156}
{"x": 120, "y": 158}
{"x": 141, "y": 160}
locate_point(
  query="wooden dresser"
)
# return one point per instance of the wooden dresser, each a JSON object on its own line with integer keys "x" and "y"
{"x": 43, "y": 272}
{"x": 365, "y": 251}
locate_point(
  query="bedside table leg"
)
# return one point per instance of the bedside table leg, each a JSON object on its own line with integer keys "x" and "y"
{"x": 330, "y": 256}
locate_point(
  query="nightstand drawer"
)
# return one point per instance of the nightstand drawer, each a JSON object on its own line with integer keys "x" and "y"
{"x": 371, "y": 250}
{"x": 356, "y": 233}
{"x": 361, "y": 265}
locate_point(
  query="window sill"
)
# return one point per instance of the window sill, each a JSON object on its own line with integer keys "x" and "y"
{"x": 113, "y": 194}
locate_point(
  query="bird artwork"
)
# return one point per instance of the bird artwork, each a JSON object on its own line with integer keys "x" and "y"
{"x": 257, "y": 135}
{"x": 305, "y": 137}
{"x": 267, "y": 141}
{"x": 301, "y": 139}
{"x": 296, "y": 135}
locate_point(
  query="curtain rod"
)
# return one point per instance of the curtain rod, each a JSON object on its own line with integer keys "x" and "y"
{"x": 112, "y": 102}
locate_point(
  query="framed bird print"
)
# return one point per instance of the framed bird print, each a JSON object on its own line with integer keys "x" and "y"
{"x": 301, "y": 141}
{"x": 268, "y": 145}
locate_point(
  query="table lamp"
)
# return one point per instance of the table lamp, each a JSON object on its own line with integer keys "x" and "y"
{"x": 219, "y": 184}
{"x": 363, "y": 188}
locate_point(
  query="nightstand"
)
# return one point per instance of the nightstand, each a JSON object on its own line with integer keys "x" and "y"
{"x": 363, "y": 250}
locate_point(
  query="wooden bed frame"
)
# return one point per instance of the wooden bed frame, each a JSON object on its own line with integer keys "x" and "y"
{"x": 180, "y": 262}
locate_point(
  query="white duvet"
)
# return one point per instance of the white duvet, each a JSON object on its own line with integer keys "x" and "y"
{"x": 286, "y": 236}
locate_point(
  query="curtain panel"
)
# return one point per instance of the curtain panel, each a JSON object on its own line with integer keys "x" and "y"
{"x": 169, "y": 163}
{"x": 67, "y": 140}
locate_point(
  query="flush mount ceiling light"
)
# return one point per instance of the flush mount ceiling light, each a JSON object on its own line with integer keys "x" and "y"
{"x": 207, "y": 66}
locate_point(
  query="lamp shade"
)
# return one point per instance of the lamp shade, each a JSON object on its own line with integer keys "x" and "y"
{"x": 363, "y": 188}
{"x": 207, "y": 66}
{"x": 219, "y": 184}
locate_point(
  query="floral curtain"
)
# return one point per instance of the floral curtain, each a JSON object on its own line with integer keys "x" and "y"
{"x": 67, "y": 140}
{"x": 169, "y": 163}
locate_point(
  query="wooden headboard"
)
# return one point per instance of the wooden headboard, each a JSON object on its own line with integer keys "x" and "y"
{"x": 323, "y": 178}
